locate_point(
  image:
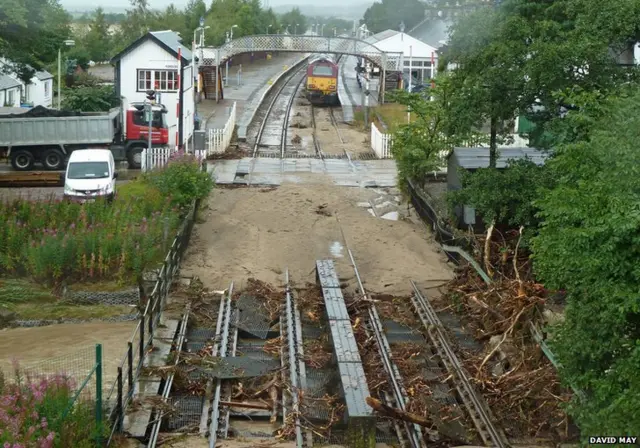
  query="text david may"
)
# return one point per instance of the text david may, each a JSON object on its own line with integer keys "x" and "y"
{"x": 613, "y": 440}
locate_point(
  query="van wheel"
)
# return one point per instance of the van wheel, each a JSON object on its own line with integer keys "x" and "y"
{"x": 53, "y": 160}
{"x": 134, "y": 158}
{"x": 22, "y": 160}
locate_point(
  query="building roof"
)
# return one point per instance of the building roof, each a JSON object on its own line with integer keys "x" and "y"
{"x": 7, "y": 82}
{"x": 474, "y": 158}
{"x": 168, "y": 40}
{"x": 434, "y": 32}
{"x": 392, "y": 41}
{"x": 43, "y": 75}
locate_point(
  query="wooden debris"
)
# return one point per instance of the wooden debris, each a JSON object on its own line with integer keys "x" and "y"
{"x": 396, "y": 413}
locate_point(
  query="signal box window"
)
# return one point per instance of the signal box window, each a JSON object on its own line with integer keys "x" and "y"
{"x": 144, "y": 79}
{"x": 322, "y": 70}
{"x": 166, "y": 80}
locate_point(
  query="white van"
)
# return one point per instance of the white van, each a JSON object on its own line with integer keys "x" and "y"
{"x": 91, "y": 174}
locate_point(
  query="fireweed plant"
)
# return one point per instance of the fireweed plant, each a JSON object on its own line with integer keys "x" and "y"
{"x": 55, "y": 241}
{"x": 31, "y": 411}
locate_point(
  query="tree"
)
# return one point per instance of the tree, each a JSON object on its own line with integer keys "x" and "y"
{"x": 90, "y": 99}
{"x": 588, "y": 245}
{"x": 31, "y": 33}
{"x": 389, "y": 14}
{"x": 294, "y": 21}
{"x": 98, "y": 40}
{"x": 419, "y": 145}
{"x": 489, "y": 49}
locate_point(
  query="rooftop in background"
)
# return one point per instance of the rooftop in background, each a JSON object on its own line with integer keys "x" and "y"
{"x": 392, "y": 41}
{"x": 474, "y": 158}
{"x": 43, "y": 75}
{"x": 7, "y": 82}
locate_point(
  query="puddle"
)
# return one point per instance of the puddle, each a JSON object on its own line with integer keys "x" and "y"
{"x": 391, "y": 216}
{"x": 336, "y": 249}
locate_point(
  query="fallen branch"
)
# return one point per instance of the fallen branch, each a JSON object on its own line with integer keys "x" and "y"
{"x": 521, "y": 291}
{"x": 245, "y": 405}
{"x": 504, "y": 338}
{"x": 396, "y": 413}
{"x": 487, "y": 250}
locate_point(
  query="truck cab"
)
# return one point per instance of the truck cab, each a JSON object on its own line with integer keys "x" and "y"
{"x": 91, "y": 174}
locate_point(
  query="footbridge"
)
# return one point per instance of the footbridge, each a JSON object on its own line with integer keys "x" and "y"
{"x": 212, "y": 59}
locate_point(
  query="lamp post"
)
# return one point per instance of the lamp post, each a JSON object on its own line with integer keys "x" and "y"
{"x": 268, "y": 28}
{"x": 230, "y": 42}
{"x": 193, "y": 60}
{"x": 68, "y": 43}
{"x": 295, "y": 29}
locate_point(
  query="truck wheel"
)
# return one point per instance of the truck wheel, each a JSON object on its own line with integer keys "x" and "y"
{"x": 22, "y": 160}
{"x": 53, "y": 160}
{"x": 134, "y": 157}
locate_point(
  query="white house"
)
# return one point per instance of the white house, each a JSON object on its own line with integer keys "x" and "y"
{"x": 151, "y": 63}
{"x": 39, "y": 92}
{"x": 420, "y": 59}
{"x": 9, "y": 91}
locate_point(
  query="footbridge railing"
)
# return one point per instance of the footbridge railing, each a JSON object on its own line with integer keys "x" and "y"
{"x": 303, "y": 44}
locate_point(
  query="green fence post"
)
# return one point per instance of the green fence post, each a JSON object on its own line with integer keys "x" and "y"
{"x": 99, "y": 395}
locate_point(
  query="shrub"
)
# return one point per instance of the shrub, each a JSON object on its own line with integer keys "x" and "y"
{"x": 183, "y": 180}
{"x": 38, "y": 413}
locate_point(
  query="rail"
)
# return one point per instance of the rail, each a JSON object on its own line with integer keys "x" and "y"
{"x": 287, "y": 115}
{"x": 155, "y": 429}
{"x": 142, "y": 338}
{"x": 220, "y": 349}
{"x": 478, "y": 411}
{"x": 293, "y": 328}
{"x": 269, "y": 108}
{"x": 413, "y": 431}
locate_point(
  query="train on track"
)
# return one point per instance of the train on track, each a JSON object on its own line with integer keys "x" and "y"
{"x": 322, "y": 81}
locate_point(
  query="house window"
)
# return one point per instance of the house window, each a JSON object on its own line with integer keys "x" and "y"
{"x": 144, "y": 79}
{"x": 46, "y": 89}
{"x": 166, "y": 80}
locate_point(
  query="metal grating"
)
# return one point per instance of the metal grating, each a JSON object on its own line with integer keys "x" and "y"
{"x": 251, "y": 317}
{"x": 316, "y": 410}
{"x": 188, "y": 411}
{"x": 201, "y": 334}
{"x": 318, "y": 382}
{"x": 253, "y": 350}
{"x": 240, "y": 367}
{"x": 194, "y": 346}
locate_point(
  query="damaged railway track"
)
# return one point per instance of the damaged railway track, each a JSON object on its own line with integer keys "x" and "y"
{"x": 425, "y": 387}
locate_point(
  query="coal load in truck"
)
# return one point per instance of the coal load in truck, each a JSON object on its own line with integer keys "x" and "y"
{"x": 43, "y": 112}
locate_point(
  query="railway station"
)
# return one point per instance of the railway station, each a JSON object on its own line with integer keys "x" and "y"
{"x": 256, "y": 275}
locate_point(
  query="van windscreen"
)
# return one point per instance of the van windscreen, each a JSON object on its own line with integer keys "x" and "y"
{"x": 88, "y": 170}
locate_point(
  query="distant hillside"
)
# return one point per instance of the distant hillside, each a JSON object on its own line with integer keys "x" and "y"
{"x": 341, "y": 11}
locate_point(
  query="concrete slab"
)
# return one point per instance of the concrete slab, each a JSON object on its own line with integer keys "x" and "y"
{"x": 135, "y": 423}
{"x": 162, "y": 341}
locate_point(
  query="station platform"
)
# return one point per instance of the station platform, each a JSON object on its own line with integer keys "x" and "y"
{"x": 351, "y": 95}
{"x": 254, "y": 82}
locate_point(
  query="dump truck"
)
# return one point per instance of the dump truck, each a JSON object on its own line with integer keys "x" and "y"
{"x": 48, "y": 136}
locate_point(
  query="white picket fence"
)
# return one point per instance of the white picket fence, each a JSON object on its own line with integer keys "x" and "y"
{"x": 159, "y": 157}
{"x": 219, "y": 139}
{"x": 380, "y": 143}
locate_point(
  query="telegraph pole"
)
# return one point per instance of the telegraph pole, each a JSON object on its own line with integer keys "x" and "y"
{"x": 148, "y": 109}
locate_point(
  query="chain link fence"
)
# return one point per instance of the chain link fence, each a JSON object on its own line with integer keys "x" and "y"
{"x": 73, "y": 389}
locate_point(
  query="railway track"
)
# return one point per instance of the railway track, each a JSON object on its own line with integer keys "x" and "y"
{"x": 436, "y": 345}
{"x": 272, "y": 134}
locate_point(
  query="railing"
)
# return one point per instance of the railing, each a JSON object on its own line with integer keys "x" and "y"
{"x": 156, "y": 158}
{"x": 219, "y": 139}
{"x": 123, "y": 389}
{"x": 380, "y": 143}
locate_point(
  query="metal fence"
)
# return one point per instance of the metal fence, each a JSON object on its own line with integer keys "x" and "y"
{"x": 122, "y": 389}
{"x": 82, "y": 373}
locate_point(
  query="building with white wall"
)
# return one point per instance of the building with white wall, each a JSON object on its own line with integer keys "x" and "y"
{"x": 151, "y": 63}
{"x": 38, "y": 92}
{"x": 420, "y": 59}
{"x": 9, "y": 91}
